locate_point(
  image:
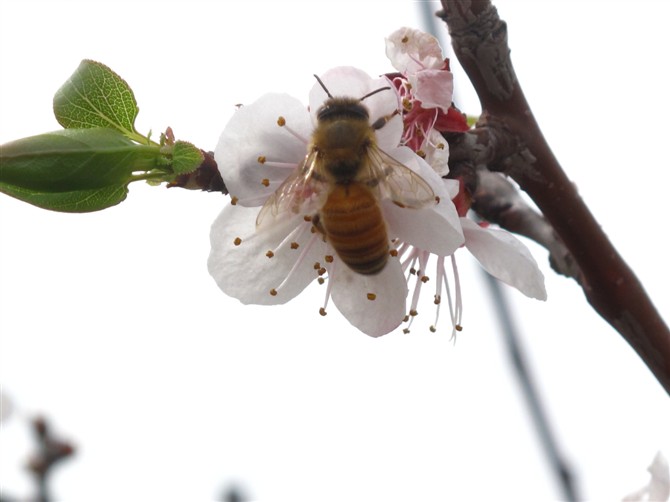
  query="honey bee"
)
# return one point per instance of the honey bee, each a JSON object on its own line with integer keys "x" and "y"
{"x": 348, "y": 175}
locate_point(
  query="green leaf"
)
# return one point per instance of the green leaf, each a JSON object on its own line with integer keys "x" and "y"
{"x": 95, "y": 96}
{"x": 74, "y": 159}
{"x": 74, "y": 170}
{"x": 80, "y": 201}
{"x": 185, "y": 157}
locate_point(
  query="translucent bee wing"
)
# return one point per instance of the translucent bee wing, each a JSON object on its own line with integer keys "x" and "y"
{"x": 396, "y": 181}
{"x": 298, "y": 190}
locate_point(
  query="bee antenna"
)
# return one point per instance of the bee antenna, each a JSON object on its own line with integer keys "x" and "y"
{"x": 322, "y": 85}
{"x": 375, "y": 92}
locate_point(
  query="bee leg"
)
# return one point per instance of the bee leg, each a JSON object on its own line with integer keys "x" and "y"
{"x": 317, "y": 226}
{"x": 381, "y": 121}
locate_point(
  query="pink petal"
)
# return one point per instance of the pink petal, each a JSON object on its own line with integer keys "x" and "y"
{"x": 434, "y": 88}
{"x": 437, "y": 158}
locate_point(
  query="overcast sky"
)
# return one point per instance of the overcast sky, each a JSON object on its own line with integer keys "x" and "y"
{"x": 111, "y": 325}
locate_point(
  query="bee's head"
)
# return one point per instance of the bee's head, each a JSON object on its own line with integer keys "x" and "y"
{"x": 344, "y": 107}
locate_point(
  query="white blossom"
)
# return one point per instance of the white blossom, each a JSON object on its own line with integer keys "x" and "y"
{"x": 418, "y": 56}
{"x": 273, "y": 264}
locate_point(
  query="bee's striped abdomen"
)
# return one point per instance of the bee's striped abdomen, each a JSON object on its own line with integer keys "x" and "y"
{"x": 354, "y": 225}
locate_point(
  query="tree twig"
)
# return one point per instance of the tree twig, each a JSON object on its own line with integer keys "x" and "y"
{"x": 510, "y": 140}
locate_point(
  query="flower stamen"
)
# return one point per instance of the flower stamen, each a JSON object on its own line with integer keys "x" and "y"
{"x": 262, "y": 159}
{"x": 438, "y": 291}
{"x": 459, "y": 298}
{"x": 422, "y": 256}
{"x": 281, "y": 122}
{"x": 322, "y": 310}
{"x": 414, "y": 263}
{"x": 299, "y": 230}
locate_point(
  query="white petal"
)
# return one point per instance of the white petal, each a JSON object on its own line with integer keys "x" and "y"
{"x": 658, "y": 488}
{"x": 253, "y": 132}
{"x": 347, "y": 81}
{"x": 505, "y": 257}
{"x": 452, "y": 188}
{"x": 374, "y": 317}
{"x": 436, "y": 228}
{"x": 412, "y": 50}
{"x": 245, "y": 272}
{"x": 431, "y": 229}
{"x": 659, "y": 485}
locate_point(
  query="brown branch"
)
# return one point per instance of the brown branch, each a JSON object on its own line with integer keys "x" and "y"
{"x": 514, "y": 144}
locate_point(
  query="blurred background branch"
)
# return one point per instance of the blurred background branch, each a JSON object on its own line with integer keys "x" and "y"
{"x": 51, "y": 450}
